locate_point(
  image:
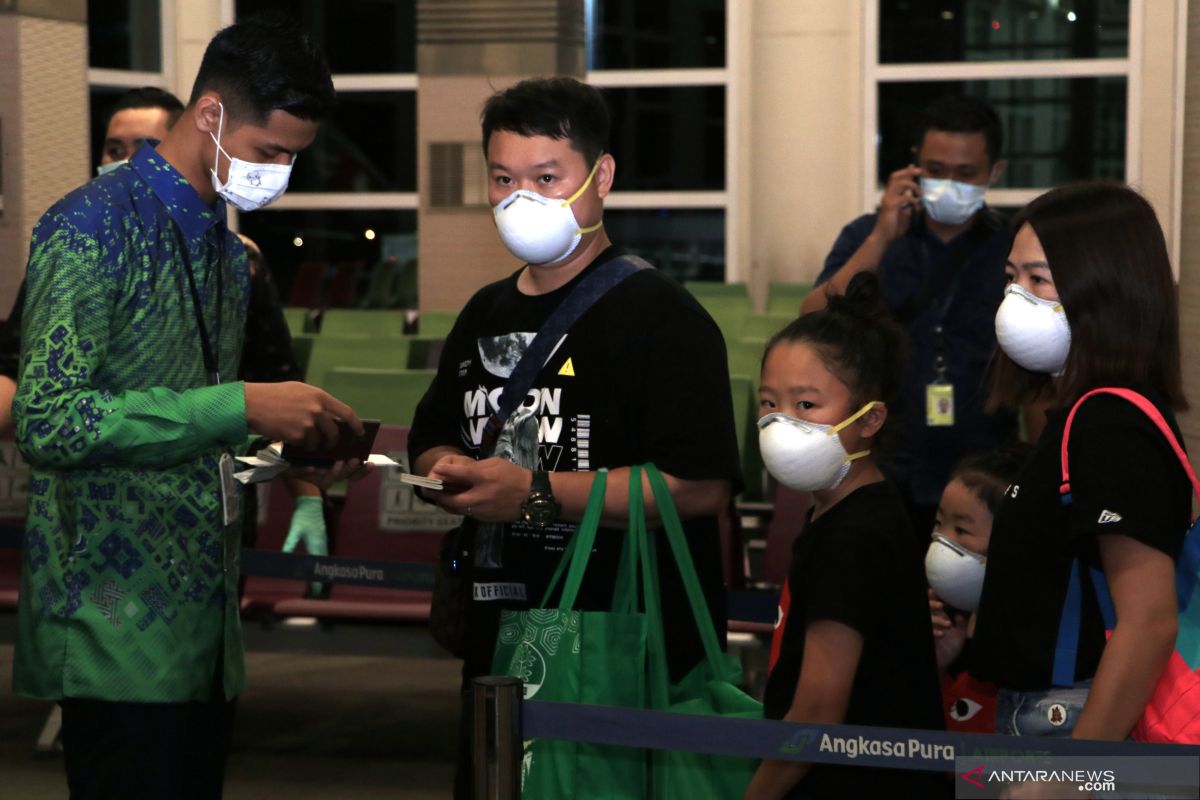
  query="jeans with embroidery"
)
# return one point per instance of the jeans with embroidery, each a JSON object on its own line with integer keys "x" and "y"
{"x": 1052, "y": 712}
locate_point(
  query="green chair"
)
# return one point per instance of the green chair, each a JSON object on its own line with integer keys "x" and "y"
{"x": 330, "y": 352}
{"x": 436, "y": 323}
{"x": 362, "y": 322}
{"x": 704, "y": 289}
{"x": 764, "y": 326}
{"x": 388, "y": 395}
{"x": 299, "y": 320}
{"x": 745, "y": 417}
{"x": 745, "y": 355}
{"x": 785, "y": 298}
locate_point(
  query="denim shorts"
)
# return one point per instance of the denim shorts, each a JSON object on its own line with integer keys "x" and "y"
{"x": 1051, "y": 712}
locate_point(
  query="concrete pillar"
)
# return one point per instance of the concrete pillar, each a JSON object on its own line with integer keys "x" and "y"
{"x": 43, "y": 121}
{"x": 465, "y": 52}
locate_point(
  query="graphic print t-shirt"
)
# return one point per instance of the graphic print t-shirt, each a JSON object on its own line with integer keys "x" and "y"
{"x": 640, "y": 377}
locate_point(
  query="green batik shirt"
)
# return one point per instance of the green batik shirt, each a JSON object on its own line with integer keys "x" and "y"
{"x": 129, "y": 578}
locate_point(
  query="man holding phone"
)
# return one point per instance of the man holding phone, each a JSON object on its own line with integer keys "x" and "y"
{"x": 939, "y": 252}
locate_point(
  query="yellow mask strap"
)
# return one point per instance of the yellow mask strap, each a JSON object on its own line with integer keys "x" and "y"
{"x": 851, "y": 420}
{"x": 586, "y": 183}
{"x": 858, "y": 455}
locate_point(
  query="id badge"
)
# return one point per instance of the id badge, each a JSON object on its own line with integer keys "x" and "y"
{"x": 939, "y": 405}
{"x": 231, "y": 493}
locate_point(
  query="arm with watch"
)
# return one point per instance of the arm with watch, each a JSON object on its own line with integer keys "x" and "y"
{"x": 496, "y": 490}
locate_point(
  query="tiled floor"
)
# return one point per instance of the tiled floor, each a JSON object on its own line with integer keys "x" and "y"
{"x": 336, "y": 714}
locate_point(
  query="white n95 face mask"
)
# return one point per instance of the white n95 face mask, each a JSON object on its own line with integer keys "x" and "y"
{"x": 539, "y": 229}
{"x": 806, "y": 456}
{"x": 951, "y": 202}
{"x": 955, "y": 573}
{"x": 1033, "y": 332}
{"x": 249, "y": 186}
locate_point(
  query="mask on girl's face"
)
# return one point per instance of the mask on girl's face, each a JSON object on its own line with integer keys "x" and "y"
{"x": 951, "y": 202}
{"x": 806, "y": 456}
{"x": 539, "y": 229}
{"x": 955, "y": 573}
{"x": 104, "y": 169}
{"x": 249, "y": 186}
{"x": 1033, "y": 332}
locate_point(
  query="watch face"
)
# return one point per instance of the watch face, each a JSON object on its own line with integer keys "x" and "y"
{"x": 541, "y": 511}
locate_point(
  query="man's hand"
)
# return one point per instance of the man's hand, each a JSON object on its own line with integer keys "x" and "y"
{"x": 492, "y": 490}
{"x": 900, "y": 197}
{"x": 297, "y": 413}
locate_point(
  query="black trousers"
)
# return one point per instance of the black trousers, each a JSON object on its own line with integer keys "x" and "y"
{"x": 146, "y": 751}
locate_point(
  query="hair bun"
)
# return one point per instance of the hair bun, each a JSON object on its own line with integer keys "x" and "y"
{"x": 863, "y": 299}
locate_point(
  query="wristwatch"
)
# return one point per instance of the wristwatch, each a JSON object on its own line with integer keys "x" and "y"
{"x": 541, "y": 508}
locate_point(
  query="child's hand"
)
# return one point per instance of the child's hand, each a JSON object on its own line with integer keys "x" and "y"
{"x": 949, "y": 635}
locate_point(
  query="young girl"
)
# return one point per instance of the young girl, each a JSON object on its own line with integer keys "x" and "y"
{"x": 954, "y": 566}
{"x": 1091, "y": 303}
{"x": 857, "y": 646}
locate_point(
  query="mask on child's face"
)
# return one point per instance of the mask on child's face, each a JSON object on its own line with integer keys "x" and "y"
{"x": 955, "y": 573}
{"x": 806, "y": 456}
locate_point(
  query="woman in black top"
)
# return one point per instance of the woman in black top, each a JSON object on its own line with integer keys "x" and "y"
{"x": 857, "y": 647}
{"x": 1091, "y": 303}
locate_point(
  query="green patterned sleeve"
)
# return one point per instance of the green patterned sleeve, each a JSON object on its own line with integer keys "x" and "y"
{"x": 65, "y": 416}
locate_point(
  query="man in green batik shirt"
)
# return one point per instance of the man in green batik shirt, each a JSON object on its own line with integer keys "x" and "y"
{"x": 135, "y": 311}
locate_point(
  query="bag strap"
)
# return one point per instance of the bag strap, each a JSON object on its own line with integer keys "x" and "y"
{"x": 575, "y": 555}
{"x": 582, "y": 297}
{"x": 1187, "y": 568}
{"x": 687, "y": 568}
{"x": 625, "y": 597}
{"x": 958, "y": 256}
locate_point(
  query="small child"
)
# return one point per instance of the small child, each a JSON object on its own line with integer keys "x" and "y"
{"x": 954, "y": 566}
{"x": 856, "y": 645}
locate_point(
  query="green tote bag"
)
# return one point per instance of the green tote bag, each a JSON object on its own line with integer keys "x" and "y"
{"x": 712, "y": 687}
{"x": 570, "y": 656}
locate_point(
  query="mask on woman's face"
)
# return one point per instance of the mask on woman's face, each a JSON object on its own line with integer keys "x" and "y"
{"x": 539, "y": 229}
{"x": 1033, "y": 332}
{"x": 806, "y": 456}
{"x": 954, "y": 572}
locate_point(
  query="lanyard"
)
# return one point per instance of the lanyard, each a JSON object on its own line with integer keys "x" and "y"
{"x": 206, "y": 344}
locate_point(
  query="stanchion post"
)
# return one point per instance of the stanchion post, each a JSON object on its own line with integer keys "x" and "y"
{"x": 496, "y": 738}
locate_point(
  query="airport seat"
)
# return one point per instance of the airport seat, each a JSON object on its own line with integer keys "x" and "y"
{"x": 388, "y": 395}
{"x": 436, "y": 323}
{"x": 784, "y": 299}
{"x": 362, "y": 322}
{"x": 331, "y": 352}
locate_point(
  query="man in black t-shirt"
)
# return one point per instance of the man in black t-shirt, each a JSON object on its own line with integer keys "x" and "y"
{"x": 640, "y": 377}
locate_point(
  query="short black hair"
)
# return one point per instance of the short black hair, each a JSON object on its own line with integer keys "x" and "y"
{"x": 264, "y": 64}
{"x": 561, "y": 108}
{"x": 147, "y": 97}
{"x": 957, "y": 114}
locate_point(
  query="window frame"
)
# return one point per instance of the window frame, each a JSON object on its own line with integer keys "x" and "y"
{"x": 875, "y": 73}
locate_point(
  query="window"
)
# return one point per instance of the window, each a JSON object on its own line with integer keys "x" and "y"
{"x": 128, "y": 47}
{"x": 662, "y": 67}
{"x": 345, "y": 232}
{"x": 1057, "y": 72}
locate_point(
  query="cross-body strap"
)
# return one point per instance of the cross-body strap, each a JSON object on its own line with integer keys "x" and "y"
{"x": 594, "y": 286}
{"x": 1186, "y": 571}
{"x": 946, "y": 276}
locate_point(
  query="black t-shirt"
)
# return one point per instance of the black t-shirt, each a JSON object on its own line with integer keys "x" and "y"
{"x": 859, "y": 564}
{"x": 640, "y": 377}
{"x": 1125, "y": 479}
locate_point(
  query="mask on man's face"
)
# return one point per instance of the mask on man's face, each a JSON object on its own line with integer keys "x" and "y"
{"x": 951, "y": 202}
{"x": 249, "y": 186}
{"x": 539, "y": 229}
